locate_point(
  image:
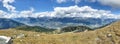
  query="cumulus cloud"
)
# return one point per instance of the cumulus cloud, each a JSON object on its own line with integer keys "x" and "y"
{"x": 85, "y": 11}
{"x": 90, "y": 0}
{"x": 8, "y": 6}
{"x": 24, "y": 13}
{"x": 2, "y": 12}
{"x": 76, "y": 1}
{"x": 63, "y": 1}
{"x": 113, "y": 3}
{"x": 72, "y": 11}
{"x": 27, "y": 12}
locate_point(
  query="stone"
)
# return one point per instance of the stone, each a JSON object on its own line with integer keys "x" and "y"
{"x": 109, "y": 35}
{"x": 5, "y": 40}
{"x": 20, "y": 35}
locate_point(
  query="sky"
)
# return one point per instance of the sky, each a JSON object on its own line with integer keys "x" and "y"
{"x": 60, "y": 8}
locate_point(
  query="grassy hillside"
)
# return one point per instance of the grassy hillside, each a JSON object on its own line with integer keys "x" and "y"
{"x": 107, "y": 35}
{"x": 75, "y": 29}
{"x": 34, "y": 28}
{"x": 48, "y": 30}
{"x": 8, "y": 23}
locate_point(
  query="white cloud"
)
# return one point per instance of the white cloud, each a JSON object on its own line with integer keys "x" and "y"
{"x": 27, "y": 12}
{"x": 61, "y": 1}
{"x": 85, "y": 11}
{"x": 75, "y": 11}
{"x": 24, "y": 13}
{"x": 72, "y": 11}
{"x": 113, "y": 3}
{"x": 90, "y": 0}
{"x": 8, "y": 6}
{"x": 76, "y": 1}
{"x": 2, "y": 12}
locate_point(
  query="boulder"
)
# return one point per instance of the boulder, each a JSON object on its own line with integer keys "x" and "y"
{"x": 5, "y": 40}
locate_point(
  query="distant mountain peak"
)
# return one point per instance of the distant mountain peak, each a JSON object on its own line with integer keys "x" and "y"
{"x": 59, "y": 22}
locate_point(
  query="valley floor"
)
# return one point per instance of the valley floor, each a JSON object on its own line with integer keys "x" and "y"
{"x": 107, "y": 35}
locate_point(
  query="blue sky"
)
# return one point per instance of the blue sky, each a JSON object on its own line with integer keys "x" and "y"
{"x": 50, "y": 5}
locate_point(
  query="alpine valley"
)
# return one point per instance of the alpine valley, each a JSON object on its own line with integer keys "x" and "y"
{"x": 60, "y": 22}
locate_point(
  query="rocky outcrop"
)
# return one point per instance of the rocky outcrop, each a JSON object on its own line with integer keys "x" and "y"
{"x": 5, "y": 40}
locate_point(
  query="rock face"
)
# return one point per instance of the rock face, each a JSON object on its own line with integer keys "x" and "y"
{"x": 5, "y": 40}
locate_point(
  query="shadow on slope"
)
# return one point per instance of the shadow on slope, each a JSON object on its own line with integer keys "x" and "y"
{"x": 34, "y": 28}
{"x": 75, "y": 29}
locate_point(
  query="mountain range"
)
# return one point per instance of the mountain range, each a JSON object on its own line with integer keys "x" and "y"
{"x": 107, "y": 35}
{"x": 60, "y": 22}
{"x": 54, "y": 22}
{"x": 8, "y": 23}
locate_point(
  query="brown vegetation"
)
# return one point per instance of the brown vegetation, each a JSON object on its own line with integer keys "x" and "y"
{"x": 107, "y": 35}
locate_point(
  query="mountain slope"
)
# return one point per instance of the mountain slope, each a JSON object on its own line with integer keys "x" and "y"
{"x": 8, "y": 23}
{"x": 34, "y": 28}
{"x": 75, "y": 29}
{"x": 107, "y": 35}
